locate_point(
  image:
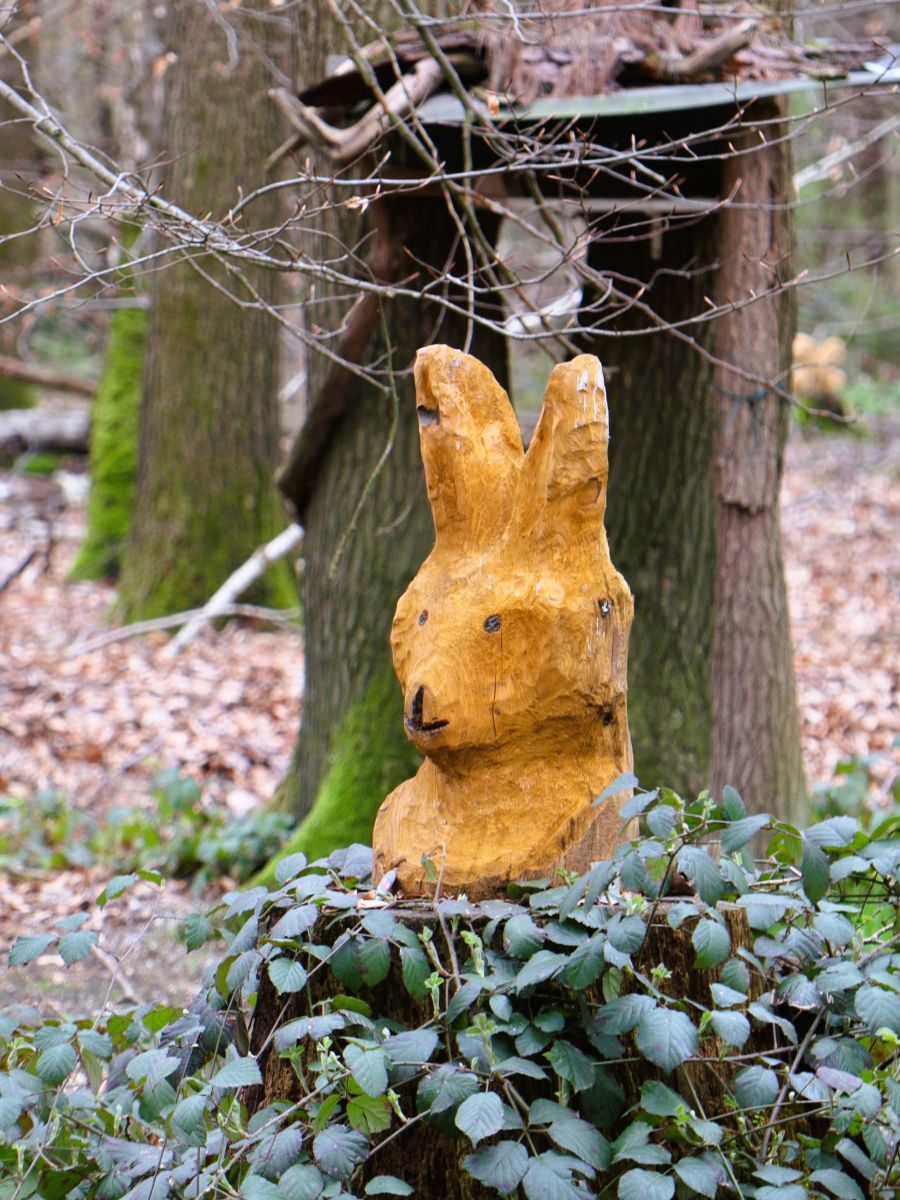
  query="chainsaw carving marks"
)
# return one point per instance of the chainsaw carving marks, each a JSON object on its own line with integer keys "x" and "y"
{"x": 511, "y": 643}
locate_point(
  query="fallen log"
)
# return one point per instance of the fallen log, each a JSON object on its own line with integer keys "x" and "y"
{"x": 15, "y": 368}
{"x": 21, "y": 429}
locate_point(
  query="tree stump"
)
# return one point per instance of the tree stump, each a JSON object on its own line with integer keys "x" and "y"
{"x": 430, "y": 1158}
{"x": 511, "y": 644}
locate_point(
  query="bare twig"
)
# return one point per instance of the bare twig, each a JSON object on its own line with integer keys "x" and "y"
{"x": 236, "y": 583}
{"x": 283, "y": 616}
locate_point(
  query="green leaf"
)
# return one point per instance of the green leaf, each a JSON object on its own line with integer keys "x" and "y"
{"x": 289, "y": 867}
{"x": 878, "y": 1008}
{"x": 755, "y": 1087}
{"x": 814, "y": 869}
{"x": 703, "y": 874}
{"x": 116, "y": 886}
{"x": 369, "y": 1115}
{"x": 287, "y": 974}
{"x": 95, "y": 1043}
{"x": 73, "y": 947}
{"x": 415, "y": 969}
{"x": 736, "y": 975}
{"x": 699, "y": 1175}
{"x": 256, "y": 1187}
{"x": 621, "y": 783}
{"x": 636, "y": 805}
{"x": 302, "y": 1182}
{"x": 837, "y": 1183}
{"x": 583, "y": 1140}
{"x": 500, "y": 1167}
{"x": 732, "y": 803}
{"x": 56, "y": 1063}
{"x": 521, "y": 937}
{"x": 414, "y": 1046}
{"x": 27, "y": 947}
{"x": 726, "y": 997}
{"x": 660, "y": 1100}
{"x": 374, "y": 956}
{"x": 297, "y": 921}
{"x": 463, "y": 999}
{"x": 368, "y": 1066}
{"x": 345, "y": 964}
{"x": 188, "y": 1119}
{"x": 624, "y": 1013}
{"x": 571, "y": 1064}
{"x": 10, "y": 1111}
{"x": 152, "y": 1066}
{"x": 834, "y": 928}
{"x": 666, "y": 1038}
{"x": 835, "y": 832}
{"x": 480, "y": 1116}
{"x": 645, "y": 1185}
{"x": 841, "y": 976}
{"x": 732, "y": 1027}
{"x": 540, "y": 967}
{"x": 240, "y": 1072}
{"x": 712, "y": 943}
{"x": 661, "y": 821}
{"x": 197, "y": 930}
{"x": 739, "y": 833}
{"x": 549, "y": 1177}
{"x": 338, "y": 1151}
{"x": 388, "y": 1185}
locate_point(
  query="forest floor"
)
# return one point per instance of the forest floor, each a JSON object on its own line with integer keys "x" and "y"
{"x": 84, "y": 728}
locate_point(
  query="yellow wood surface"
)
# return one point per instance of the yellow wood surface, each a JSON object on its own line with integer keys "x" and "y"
{"x": 511, "y": 643}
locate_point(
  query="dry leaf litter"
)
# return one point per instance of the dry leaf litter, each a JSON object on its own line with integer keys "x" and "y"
{"x": 99, "y": 725}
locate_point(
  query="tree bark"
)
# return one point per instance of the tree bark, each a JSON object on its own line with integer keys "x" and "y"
{"x": 352, "y": 749}
{"x": 208, "y": 434}
{"x": 660, "y": 514}
{"x": 756, "y": 744}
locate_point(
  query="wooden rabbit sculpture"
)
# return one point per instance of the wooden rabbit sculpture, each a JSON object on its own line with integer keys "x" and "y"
{"x": 511, "y": 643}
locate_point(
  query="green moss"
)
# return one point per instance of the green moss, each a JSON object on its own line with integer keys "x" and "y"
{"x": 114, "y": 439}
{"x": 44, "y": 463}
{"x": 370, "y": 757}
{"x": 15, "y": 393}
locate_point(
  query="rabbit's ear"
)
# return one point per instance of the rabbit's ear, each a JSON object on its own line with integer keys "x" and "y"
{"x": 471, "y": 446}
{"x": 566, "y": 468}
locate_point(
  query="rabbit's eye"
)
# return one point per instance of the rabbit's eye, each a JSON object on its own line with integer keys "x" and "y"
{"x": 604, "y": 606}
{"x": 423, "y": 616}
{"x": 492, "y": 623}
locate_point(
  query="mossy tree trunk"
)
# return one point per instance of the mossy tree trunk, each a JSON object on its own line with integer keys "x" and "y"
{"x": 660, "y": 514}
{"x": 18, "y": 163}
{"x": 208, "y": 442}
{"x": 114, "y": 437}
{"x": 352, "y": 749}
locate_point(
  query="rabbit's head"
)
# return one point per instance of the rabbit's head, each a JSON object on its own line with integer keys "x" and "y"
{"x": 515, "y": 628}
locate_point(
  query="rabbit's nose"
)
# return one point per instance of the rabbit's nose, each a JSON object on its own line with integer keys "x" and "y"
{"x": 419, "y": 718}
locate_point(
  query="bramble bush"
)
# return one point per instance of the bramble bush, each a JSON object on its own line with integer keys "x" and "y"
{"x": 544, "y": 1035}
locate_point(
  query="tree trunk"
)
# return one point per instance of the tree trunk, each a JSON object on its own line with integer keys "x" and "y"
{"x": 359, "y": 558}
{"x": 756, "y": 744}
{"x": 208, "y": 433}
{"x": 352, "y": 749}
{"x": 430, "y": 1158}
{"x": 114, "y": 437}
{"x": 660, "y": 513}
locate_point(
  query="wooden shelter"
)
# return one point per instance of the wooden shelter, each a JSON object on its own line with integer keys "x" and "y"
{"x": 677, "y": 123}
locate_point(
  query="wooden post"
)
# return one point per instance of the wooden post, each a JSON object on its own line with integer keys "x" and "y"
{"x": 511, "y": 643}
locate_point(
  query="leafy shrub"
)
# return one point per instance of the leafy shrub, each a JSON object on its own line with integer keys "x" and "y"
{"x": 543, "y": 1036}
{"x": 182, "y": 835}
